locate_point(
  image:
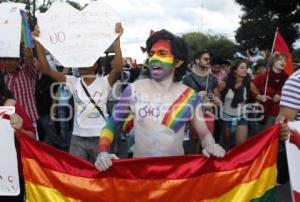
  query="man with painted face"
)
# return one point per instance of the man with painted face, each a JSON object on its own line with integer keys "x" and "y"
{"x": 160, "y": 106}
{"x": 90, "y": 113}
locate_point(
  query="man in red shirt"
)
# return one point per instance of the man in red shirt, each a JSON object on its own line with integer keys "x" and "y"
{"x": 270, "y": 85}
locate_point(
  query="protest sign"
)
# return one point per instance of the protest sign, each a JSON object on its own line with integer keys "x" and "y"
{"x": 293, "y": 155}
{"x": 10, "y": 29}
{"x": 9, "y": 177}
{"x": 77, "y": 38}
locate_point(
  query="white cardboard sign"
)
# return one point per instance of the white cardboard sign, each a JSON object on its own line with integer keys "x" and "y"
{"x": 293, "y": 156}
{"x": 9, "y": 177}
{"x": 10, "y": 29}
{"x": 77, "y": 38}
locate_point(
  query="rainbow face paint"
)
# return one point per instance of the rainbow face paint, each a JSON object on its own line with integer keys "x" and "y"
{"x": 161, "y": 60}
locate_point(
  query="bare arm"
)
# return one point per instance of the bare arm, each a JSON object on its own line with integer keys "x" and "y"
{"x": 217, "y": 96}
{"x": 198, "y": 122}
{"x": 261, "y": 98}
{"x": 17, "y": 123}
{"x": 285, "y": 113}
{"x": 118, "y": 62}
{"x": 288, "y": 113}
{"x": 253, "y": 88}
{"x": 43, "y": 62}
{"x": 216, "y": 91}
{"x": 28, "y": 133}
{"x": 210, "y": 148}
{"x": 222, "y": 86}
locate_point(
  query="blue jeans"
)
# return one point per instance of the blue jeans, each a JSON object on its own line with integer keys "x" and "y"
{"x": 48, "y": 131}
{"x": 84, "y": 147}
{"x": 64, "y": 128}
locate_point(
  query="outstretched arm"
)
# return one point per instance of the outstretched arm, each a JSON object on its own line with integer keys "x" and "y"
{"x": 210, "y": 148}
{"x": 121, "y": 111}
{"x": 119, "y": 116}
{"x": 118, "y": 62}
{"x": 255, "y": 92}
{"x": 43, "y": 62}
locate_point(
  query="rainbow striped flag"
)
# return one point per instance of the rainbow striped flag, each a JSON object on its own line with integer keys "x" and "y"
{"x": 246, "y": 173}
{"x": 26, "y": 33}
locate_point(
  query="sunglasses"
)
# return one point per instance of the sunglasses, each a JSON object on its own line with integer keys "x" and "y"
{"x": 206, "y": 59}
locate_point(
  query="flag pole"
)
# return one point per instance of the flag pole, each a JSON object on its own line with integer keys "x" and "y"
{"x": 267, "y": 81}
{"x": 276, "y": 32}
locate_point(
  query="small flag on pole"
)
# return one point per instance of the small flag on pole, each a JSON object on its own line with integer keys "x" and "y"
{"x": 281, "y": 46}
{"x": 26, "y": 34}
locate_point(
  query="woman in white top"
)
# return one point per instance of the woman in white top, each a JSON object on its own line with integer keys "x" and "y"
{"x": 235, "y": 92}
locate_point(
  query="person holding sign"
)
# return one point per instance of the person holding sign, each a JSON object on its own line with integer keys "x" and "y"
{"x": 90, "y": 94}
{"x": 160, "y": 106}
{"x": 21, "y": 123}
{"x": 20, "y": 76}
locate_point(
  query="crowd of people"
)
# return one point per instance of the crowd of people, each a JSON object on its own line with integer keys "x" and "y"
{"x": 166, "y": 106}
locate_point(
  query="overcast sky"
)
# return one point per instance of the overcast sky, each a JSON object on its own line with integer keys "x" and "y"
{"x": 177, "y": 16}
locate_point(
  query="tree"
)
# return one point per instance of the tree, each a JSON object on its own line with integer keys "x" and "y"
{"x": 219, "y": 47}
{"x": 260, "y": 19}
{"x": 296, "y": 55}
{"x": 46, "y": 5}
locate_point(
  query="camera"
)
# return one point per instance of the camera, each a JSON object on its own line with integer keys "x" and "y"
{"x": 210, "y": 97}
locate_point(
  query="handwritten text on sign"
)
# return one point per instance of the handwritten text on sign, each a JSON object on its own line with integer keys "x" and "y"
{"x": 10, "y": 29}
{"x": 77, "y": 38}
{"x": 9, "y": 177}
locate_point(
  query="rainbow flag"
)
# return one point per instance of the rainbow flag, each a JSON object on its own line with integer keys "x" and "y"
{"x": 26, "y": 34}
{"x": 247, "y": 173}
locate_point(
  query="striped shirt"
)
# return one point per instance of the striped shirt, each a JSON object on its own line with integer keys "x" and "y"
{"x": 291, "y": 93}
{"x": 22, "y": 85}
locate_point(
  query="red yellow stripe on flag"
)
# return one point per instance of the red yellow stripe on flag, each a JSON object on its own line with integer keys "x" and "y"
{"x": 247, "y": 173}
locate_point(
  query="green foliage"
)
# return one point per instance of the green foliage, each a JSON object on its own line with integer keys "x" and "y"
{"x": 46, "y": 5}
{"x": 75, "y": 4}
{"x": 260, "y": 19}
{"x": 296, "y": 55}
{"x": 219, "y": 47}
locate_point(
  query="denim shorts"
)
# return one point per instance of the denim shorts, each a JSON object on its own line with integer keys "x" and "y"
{"x": 231, "y": 121}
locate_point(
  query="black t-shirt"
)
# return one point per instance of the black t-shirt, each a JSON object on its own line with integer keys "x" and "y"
{"x": 198, "y": 83}
{"x": 43, "y": 95}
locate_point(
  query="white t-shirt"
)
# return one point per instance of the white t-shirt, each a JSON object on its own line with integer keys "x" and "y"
{"x": 228, "y": 109}
{"x": 88, "y": 122}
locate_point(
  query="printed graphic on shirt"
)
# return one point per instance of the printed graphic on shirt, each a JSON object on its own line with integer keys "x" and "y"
{"x": 86, "y": 109}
